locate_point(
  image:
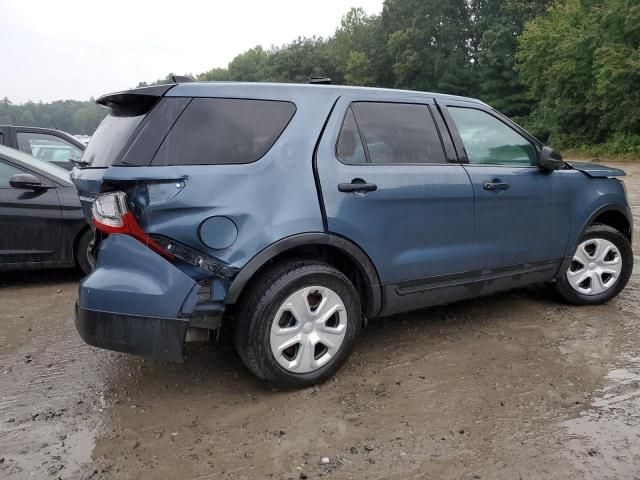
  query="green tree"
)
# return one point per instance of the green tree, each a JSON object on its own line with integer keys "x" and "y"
{"x": 359, "y": 50}
{"x": 72, "y": 116}
{"x": 301, "y": 59}
{"x": 215, "y": 75}
{"x": 428, "y": 42}
{"x": 496, "y": 30}
{"x": 581, "y": 62}
{"x": 250, "y": 66}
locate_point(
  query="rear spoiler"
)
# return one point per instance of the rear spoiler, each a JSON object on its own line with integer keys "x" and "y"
{"x": 134, "y": 102}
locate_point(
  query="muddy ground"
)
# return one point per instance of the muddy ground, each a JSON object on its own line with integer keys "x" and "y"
{"x": 507, "y": 387}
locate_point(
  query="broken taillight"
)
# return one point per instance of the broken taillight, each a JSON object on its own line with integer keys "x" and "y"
{"x": 111, "y": 215}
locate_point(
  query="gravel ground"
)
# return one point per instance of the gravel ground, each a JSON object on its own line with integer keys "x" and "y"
{"x": 512, "y": 386}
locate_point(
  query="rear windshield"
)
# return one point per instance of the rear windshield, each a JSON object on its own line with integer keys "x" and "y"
{"x": 213, "y": 131}
{"x": 109, "y": 139}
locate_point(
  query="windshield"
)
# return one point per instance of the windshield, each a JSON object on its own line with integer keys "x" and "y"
{"x": 46, "y": 167}
{"x": 109, "y": 139}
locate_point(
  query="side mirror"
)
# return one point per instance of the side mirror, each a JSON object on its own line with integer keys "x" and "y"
{"x": 26, "y": 181}
{"x": 550, "y": 159}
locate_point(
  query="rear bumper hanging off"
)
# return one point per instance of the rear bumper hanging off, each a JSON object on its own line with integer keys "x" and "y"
{"x": 135, "y": 301}
{"x": 161, "y": 338}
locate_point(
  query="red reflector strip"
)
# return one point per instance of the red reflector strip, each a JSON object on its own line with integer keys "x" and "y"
{"x": 131, "y": 227}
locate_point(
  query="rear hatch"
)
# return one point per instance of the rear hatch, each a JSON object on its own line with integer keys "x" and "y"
{"x": 119, "y": 132}
{"x": 188, "y": 167}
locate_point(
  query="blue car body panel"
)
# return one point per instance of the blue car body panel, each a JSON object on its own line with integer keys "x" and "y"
{"x": 529, "y": 222}
{"x": 429, "y": 234}
{"x": 145, "y": 284}
{"x": 595, "y": 170}
{"x": 88, "y": 181}
{"x": 418, "y": 223}
{"x": 592, "y": 197}
{"x": 267, "y": 200}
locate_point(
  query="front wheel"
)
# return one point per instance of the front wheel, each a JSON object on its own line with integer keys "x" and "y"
{"x": 600, "y": 268}
{"x": 298, "y": 323}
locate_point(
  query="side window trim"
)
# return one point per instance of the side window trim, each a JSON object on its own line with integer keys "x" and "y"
{"x": 348, "y": 111}
{"x": 455, "y": 134}
{"x": 457, "y": 138}
{"x": 445, "y": 135}
{"x": 360, "y": 134}
{"x": 449, "y": 159}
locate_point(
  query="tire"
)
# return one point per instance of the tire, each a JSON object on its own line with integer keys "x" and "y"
{"x": 604, "y": 287}
{"x": 82, "y": 253}
{"x": 267, "y": 311}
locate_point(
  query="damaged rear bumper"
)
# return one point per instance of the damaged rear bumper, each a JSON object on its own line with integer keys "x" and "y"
{"x": 161, "y": 338}
{"x": 135, "y": 301}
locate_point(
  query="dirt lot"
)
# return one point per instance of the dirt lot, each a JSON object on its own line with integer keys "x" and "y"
{"x": 511, "y": 386}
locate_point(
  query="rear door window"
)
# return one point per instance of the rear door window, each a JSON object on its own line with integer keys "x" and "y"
{"x": 47, "y": 147}
{"x": 215, "y": 131}
{"x": 398, "y": 133}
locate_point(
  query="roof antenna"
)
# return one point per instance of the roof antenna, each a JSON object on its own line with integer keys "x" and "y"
{"x": 319, "y": 80}
{"x": 182, "y": 79}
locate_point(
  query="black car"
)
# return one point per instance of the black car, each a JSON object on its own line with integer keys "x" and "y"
{"x": 53, "y": 146}
{"x": 41, "y": 221}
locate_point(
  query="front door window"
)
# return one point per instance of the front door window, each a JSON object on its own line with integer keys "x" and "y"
{"x": 488, "y": 141}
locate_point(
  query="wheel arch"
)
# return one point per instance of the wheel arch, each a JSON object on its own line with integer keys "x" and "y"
{"x": 336, "y": 250}
{"x": 613, "y": 215}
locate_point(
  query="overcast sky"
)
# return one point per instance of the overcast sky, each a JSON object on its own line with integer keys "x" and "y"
{"x": 75, "y": 49}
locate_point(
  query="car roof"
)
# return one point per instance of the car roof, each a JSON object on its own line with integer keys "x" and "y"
{"x": 24, "y": 159}
{"x": 206, "y": 89}
{"x": 39, "y": 129}
{"x": 47, "y": 130}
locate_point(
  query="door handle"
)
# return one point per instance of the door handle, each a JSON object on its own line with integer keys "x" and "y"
{"x": 357, "y": 185}
{"x": 496, "y": 184}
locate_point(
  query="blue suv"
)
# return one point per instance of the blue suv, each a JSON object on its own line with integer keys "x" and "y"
{"x": 297, "y": 212}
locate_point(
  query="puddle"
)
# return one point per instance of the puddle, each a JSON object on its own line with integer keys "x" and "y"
{"x": 605, "y": 440}
{"x": 49, "y": 381}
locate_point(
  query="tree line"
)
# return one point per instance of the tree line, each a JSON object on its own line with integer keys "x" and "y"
{"x": 568, "y": 70}
{"x": 72, "y": 116}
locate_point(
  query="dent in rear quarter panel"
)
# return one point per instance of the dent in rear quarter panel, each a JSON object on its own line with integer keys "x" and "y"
{"x": 269, "y": 199}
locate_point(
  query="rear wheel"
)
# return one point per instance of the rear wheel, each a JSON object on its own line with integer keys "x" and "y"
{"x": 600, "y": 268}
{"x": 84, "y": 259}
{"x": 297, "y": 324}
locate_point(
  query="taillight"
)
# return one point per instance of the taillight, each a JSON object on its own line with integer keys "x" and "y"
{"x": 109, "y": 209}
{"x": 111, "y": 215}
